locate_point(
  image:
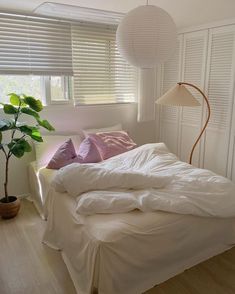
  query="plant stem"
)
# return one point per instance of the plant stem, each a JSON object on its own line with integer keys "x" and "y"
{"x": 16, "y": 119}
{"x": 9, "y": 155}
{"x": 6, "y": 178}
{"x": 4, "y": 151}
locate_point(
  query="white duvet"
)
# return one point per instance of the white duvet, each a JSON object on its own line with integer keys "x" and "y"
{"x": 148, "y": 178}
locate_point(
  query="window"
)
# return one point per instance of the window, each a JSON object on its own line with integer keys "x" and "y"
{"x": 29, "y": 85}
{"x": 48, "y": 89}
{"x": 58, "y": 92}
{"x": 100, "y": 74}
{"x": 35, "y": 57}
{"x": 39, "y": 56}
{"x": 57, "y": 88}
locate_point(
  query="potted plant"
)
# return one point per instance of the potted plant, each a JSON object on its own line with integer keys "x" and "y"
{"x": 17, "y": 142}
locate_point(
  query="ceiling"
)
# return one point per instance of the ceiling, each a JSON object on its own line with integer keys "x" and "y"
{"x": 184, "y": 12}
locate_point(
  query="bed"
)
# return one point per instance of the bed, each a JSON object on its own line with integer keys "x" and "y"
{"x": 39, "y": 181}
{"x": 131, "y": 252}
{"x": 131, "y": 247}
{"x": 40, "y": 177}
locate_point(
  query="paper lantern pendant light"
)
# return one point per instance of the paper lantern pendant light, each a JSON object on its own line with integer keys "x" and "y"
{"x": 146, "y": 36}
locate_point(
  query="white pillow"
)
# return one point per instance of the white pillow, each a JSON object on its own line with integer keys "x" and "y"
{"x": 117, "y": 127}
{"x": 46, "y": 149}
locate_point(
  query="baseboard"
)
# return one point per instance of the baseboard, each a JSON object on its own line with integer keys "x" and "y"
{"x": 21, "y": 196}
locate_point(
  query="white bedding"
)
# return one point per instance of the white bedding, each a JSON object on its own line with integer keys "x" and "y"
{"x": 40, "y": 181}
{"x": 131, "y": 252}
{"x": 148, "y": 178}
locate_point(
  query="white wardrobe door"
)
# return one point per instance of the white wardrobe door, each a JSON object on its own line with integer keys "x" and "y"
{"x": 193, "y": 71}
{"x": 220, "y": 92}
{"x": 169, "y": 115}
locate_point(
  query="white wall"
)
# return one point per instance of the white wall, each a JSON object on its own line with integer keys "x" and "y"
{"x": 69, "y": 119}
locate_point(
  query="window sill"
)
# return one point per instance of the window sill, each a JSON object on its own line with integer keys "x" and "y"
{"x": 105, "y": 104}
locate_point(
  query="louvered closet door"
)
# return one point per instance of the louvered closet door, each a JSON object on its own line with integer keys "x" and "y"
{"x": 193, "y": 71}
{"x": 219, "y": 81}
{"x": 169, "y": 115}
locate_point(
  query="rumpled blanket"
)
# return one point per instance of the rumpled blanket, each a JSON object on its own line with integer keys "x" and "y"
{"x": 148, "y": 178}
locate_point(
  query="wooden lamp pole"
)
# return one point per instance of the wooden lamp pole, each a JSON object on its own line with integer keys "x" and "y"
{"x": 207, "y": 120}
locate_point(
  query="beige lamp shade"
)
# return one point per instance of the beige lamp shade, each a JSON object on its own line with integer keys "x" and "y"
{"x": 178, "y": 96}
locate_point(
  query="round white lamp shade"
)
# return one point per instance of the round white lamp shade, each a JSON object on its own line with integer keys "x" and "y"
{"x": 146, "y": 36}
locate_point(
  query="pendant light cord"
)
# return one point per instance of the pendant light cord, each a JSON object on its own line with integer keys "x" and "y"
{"x": 147, "y": 2}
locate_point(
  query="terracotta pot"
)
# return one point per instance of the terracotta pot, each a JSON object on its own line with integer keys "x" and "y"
{"x": 9, "y": 209}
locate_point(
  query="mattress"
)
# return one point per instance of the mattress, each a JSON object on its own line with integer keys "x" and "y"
{"x": 39, "y": 180}
{"x": 131, "y": 252}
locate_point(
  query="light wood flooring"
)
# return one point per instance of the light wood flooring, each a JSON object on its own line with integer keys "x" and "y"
{"x": 29, "y": 267}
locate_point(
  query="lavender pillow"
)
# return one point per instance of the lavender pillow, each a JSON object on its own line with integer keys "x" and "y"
{"x": 64, "y": 155}
{"x": 88, "y": 152}
{"x": 112, "y": 143}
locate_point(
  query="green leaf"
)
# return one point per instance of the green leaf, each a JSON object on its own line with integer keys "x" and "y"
{"x": 9, "y": 109}
{"x": 19, "y": 146}
{"x": 36, "y": 135}
{"x": 33, "y": 103}
{"x": 23, "y": 104}
{"x": 14, "y": 99}
{"x": 26, "y": 129}
{"x": 29, "y": 111}
{"x": 6, "y": 125}
{"x": 26, "y": 145}
{"x": 33, "y": 132}
{"x": 16, "y": 148}
{"x": 45, "y": 124}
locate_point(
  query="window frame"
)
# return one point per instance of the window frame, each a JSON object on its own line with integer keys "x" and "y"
{"x": 45, "y": 89}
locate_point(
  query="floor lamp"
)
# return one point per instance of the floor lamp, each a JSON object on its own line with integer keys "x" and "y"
{"x": 180, "y": 96}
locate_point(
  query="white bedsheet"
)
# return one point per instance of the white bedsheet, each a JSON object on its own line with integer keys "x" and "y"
{"x": 40, "y": 182}
{"x": 148, "y": 178}
{"x": 131, "y": 252}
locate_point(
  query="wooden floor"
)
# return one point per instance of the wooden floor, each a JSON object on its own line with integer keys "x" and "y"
{"x": 29, "y": 267}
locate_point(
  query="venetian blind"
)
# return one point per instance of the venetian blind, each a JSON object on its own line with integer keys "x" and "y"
{"x": 100, "y": 74}
{"x": 32, "y": 45}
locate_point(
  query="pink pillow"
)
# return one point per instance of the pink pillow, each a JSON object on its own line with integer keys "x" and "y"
{"x": 88, "y": 152}
{"x": 63, "y": 156}
{"x": 112, "y": 143}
